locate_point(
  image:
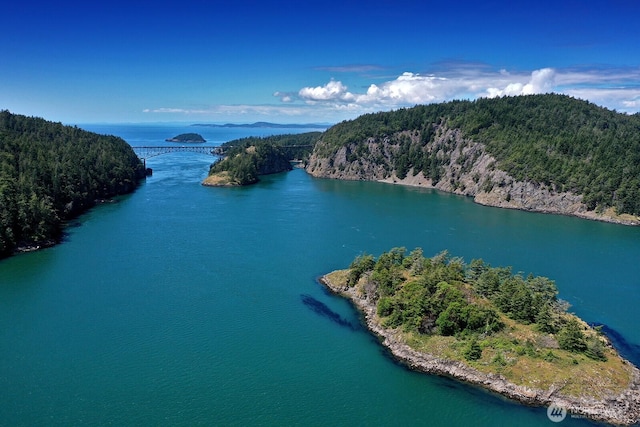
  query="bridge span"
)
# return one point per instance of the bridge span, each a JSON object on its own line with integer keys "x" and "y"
{"x": 147, "y": 152}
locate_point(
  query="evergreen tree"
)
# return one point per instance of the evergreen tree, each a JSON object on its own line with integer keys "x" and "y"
{"x": 473, "y": 351}
{"x": 571, "y": 337}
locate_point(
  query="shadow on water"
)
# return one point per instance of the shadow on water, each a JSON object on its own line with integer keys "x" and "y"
{"x": 323, "y": 310}
{"x": 628, "y": 350}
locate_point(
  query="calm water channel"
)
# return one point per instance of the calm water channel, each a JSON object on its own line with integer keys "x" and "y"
{"x": 185, "y": 305}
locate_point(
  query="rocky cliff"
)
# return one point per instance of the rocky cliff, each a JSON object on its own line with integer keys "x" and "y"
{"x": 459, "y": 165}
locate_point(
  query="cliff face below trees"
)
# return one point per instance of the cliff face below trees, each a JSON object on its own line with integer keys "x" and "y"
{"x": 459, "y": 165}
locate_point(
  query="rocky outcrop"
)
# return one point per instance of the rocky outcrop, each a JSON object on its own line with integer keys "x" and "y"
{"x": 623, "y": 409}
{"x": 464, "y": 167}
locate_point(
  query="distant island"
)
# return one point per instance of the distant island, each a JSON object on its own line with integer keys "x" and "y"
{"x": 267, "y": 125}
{"x": 487, "y": 326}
{"x": 187, "y": 137}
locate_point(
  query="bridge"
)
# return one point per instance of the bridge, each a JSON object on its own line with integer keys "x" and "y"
{"x": 146, "y": 152}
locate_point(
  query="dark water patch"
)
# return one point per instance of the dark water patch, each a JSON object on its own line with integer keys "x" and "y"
{"x": 388, "y": 354}
{"x": 325, "y": 290}
{"x": 323, "y": 310}
{"x": 628, "y": 350}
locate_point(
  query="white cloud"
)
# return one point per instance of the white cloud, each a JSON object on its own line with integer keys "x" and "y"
{"x": 284, "y": 96}
{"x": 334, "y": 90}
{"x": 411, "y": 88}
{"x": 541, "y": 81}
{"x": 408, "y": 88}
{"x": 613, "y": 88}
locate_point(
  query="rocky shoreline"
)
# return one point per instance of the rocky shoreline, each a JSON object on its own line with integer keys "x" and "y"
{"x": 469, "y": 171}
{"x": 623, "y": 409}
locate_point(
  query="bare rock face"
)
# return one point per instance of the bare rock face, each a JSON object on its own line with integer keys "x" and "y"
{"x": 467, "y": 169}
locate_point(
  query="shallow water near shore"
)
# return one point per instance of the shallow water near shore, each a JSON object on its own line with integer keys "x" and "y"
{"x": 182, "y": 304}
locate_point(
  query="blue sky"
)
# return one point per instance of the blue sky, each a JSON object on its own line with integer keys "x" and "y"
{"x": 307, "y": 61}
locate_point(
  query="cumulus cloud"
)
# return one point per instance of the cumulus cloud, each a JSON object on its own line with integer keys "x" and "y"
{"x": 334, "y": 90}
{"x": 541, "y": 81}
{"x": 284, "y": 96}
{"x": 412, "y": 88}
{"x": 614, "y": 88}
{"x": 409, "y": 88}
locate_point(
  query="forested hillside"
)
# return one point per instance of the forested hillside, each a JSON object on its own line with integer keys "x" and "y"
{"x": 293, "y": 146}
{"x": 50, "y": 173}
{"x": 561, "y": 143}
{"x": 244, "y": 167}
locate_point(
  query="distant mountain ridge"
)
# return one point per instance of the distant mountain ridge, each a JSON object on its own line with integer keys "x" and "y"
{"x": 266, "y": 125}
{"x": 544, "y": 153}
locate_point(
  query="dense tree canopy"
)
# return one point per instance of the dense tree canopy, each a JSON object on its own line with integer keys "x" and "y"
{"x": 445, "y": 296}
{"x": 50, "y": 172}
{"x": 566, "y": 143}
{"x": 246, "y": 165}
{"x": 247, "y": 158}
{"x": 292, "y": 146}
{"x": 187, "y": 137}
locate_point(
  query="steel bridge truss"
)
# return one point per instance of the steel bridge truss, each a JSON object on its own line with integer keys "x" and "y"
{"x": 147, "y": 152}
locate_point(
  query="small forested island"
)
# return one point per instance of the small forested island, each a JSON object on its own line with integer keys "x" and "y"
{"x": 187, "y": 137}
{"x": 490, "y": 327}
{"x": 50, "y": 173}
{"x": 243, "y": 160}
{"x": 544, "y": 153}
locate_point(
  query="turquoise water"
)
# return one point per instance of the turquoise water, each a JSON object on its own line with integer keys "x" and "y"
{"x": 185, "y": 305}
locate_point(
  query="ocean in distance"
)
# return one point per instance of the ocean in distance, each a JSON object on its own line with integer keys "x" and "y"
{"x": 188, "y": 305}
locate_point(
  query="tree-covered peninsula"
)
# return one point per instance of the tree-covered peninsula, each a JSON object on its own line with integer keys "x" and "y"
{"x": 50, "y": 173}
{"x": 488, "y": 326}
{"x": 243, "y": 160}
{"x": 546, "y": 153}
